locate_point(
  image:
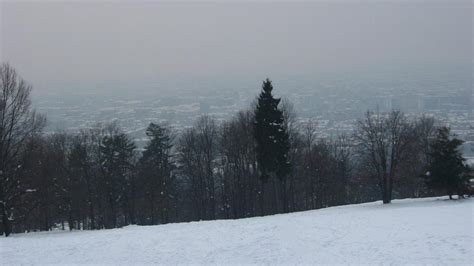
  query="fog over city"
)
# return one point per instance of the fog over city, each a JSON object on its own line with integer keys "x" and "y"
{"x": 139, "y": 62}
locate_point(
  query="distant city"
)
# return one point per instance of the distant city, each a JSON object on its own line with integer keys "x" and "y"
{"x": 333, "y": 105}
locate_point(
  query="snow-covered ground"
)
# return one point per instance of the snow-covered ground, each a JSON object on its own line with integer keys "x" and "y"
{"x": 422, "y": 231}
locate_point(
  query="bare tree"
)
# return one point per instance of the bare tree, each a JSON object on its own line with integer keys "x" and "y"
{"x": 17, "y": 122}
{"x": 239, "y": 183}
{"x": 197, "y": 154}
{"x": 308, "y": 164}
{"x": 342, "y": 167}
{"x": 207, "y": 142}
{"x": 384, "y": 143}
{"x": 295, "y": 141}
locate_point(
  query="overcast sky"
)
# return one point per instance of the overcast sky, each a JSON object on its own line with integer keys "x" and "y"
{"x": 65, "y": 46}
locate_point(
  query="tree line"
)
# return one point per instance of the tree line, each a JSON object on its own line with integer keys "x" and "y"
{"x": 260, "y": 162}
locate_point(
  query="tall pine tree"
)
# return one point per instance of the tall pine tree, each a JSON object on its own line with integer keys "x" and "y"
{"x": 272, "y": 138}
{"x": 447, "y": 170}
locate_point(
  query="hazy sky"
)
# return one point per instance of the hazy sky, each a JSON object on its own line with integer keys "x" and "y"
{"x": 71, "y": 45}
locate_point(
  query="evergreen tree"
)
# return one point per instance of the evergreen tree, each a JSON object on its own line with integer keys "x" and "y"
{"x": 117, "y": 163}
{"x": 447, "y": 170}
{"x": 155, "y": 172}
{"x": 271, "y": 137}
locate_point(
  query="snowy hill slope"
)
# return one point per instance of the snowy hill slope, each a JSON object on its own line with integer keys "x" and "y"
{"x": 407, "y": 231}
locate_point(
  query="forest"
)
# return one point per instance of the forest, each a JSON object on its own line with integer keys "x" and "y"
{"x": 260, "y": 162}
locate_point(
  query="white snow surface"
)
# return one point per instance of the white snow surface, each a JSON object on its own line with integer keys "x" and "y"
{"x": 411, "y": 231}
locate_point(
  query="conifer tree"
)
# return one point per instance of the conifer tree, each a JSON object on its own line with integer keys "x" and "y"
{"x": 117, "y": 153}
{"x": 271, "y": 136}
{"x": 155, "y": 171}
{"x": 447, "y": 170}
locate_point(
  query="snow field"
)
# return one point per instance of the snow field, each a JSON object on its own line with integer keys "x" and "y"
{"x": 411, "y": 231}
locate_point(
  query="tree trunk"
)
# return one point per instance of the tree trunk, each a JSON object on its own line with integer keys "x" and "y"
{"x": 386, "y": 194}
{"x": 152, "y": 206}
{"x": 284, "y": 195}
{"x": 70, "y": 221}
{"x": 262, "y": 198}
{"x": 91, "y": 214}
{"x": 276, "y": 207}
{"x": 5, "y": 221}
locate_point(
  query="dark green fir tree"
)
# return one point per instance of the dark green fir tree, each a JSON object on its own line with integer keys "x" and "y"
{"x": 447, "y": 170}
{"x": 272, "y": 142}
